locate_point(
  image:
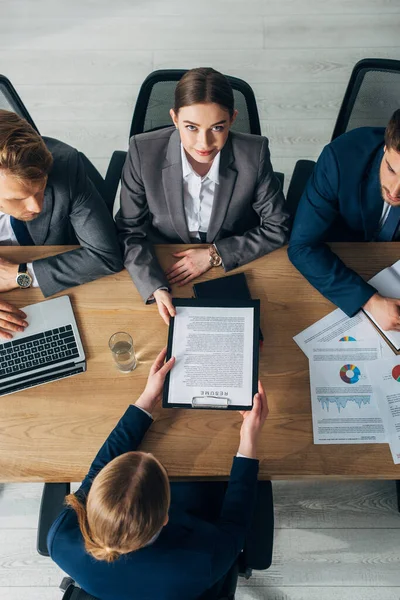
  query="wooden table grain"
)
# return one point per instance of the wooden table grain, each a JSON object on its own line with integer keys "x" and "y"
{"x": 52, "y": 432}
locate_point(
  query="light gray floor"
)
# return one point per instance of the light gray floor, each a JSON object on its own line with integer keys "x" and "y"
{"x": 334, "y": 541}
{"x": 78, "y": 65}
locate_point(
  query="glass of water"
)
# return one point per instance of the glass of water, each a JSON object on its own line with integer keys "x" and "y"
{"x": 121, "y": 346}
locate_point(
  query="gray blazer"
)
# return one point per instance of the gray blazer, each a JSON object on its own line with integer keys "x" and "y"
{"x": 73, "y": 213}
{"x": 247, "y": 220}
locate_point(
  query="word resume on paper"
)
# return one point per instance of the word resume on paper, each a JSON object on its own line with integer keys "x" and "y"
{"x": 213, "y": 348}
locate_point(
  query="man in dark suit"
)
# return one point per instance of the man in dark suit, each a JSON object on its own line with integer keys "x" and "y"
{"x": 46, "y": 198}
{"x": 352, "y": 195}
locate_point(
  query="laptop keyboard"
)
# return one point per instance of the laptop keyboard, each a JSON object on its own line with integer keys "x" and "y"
{"x": 39, "y": 350}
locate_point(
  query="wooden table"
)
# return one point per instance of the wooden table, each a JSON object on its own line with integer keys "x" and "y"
{"x": 52, "y": 432}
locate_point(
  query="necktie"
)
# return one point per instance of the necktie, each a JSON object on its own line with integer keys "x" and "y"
{"x": 21, "y": 232}
{"x": 390, "y": 225}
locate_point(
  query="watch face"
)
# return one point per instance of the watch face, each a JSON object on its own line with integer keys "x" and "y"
{"x": 215, "y": 261}
{"x": 24, "y": 280}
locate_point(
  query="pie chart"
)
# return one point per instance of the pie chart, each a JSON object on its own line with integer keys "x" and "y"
{"x": 351, "y": 373}
{"x": 347, "y": 338}
{"x": 396, "y": 373}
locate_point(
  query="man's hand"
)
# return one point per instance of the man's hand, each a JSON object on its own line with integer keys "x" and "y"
{"x": 151, "y": 394}
{"x": 253, "y": 421}
{"x": 11, "y": 319}
{"x": 8, "y": 275}
{"x": 386, "y": 311}
{"x": 164, "y": 305}
{"x": 193, "y": 263}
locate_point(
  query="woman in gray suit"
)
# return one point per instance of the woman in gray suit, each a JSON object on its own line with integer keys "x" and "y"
{"x": 197, "y": 182}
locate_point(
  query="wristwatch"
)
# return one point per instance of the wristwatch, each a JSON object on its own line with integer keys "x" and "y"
{"x": 23, "y": 279}
{"x": 215, "y": 259}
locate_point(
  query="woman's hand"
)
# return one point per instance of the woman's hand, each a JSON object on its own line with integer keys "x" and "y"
{"x": 193, "y": 263}
{"x": 11, "y": 320}
{"x": 164, "y": 305}
{"x": 253, "y": 421}
{"x": 151, "y": 394}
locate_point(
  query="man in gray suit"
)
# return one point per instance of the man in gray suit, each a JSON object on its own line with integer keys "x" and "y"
{"x": 46, "y": 198}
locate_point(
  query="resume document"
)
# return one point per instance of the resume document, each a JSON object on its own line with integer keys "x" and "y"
{"x": 213, "y": 348}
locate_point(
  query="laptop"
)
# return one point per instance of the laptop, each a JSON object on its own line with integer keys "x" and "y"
{"x": 50, "y": 348}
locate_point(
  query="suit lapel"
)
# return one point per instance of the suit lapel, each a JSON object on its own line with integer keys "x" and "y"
{"x": 223, "y": 192}
{"x": 39, "y": 227}
{"x": 173, "y": 187}
{"x": 371, "y": 200}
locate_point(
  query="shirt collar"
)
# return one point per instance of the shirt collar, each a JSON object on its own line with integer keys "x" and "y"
{"x": 213, "y": 173}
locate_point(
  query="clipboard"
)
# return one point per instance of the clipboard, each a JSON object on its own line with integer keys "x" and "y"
{"x": 231, "y": 286}
{"x": 210, "y": 401}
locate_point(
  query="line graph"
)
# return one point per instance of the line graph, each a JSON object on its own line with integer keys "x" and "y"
{"x": 342, "y": 401}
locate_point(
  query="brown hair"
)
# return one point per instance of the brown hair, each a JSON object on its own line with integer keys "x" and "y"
{"x": 392, "y": 133}
{"x": 126, "y": 506}
{"x": 201, "y": 85}
{"x": 23, "y": 152}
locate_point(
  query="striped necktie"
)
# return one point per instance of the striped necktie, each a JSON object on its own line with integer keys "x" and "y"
{"x": 390, "y": 226}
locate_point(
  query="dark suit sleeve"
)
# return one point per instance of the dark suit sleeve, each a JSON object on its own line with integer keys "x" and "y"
{"x": 236, "y": 515}
{"x": 272, "y": 232}
{"x": 95, "y": 231}
{"x": 125, "y": 437}
{"x": 317, "y": 211}
{"x": 133, "y": 222}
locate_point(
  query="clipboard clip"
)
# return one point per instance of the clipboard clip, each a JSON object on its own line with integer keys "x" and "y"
{"x": 204, "y": 402}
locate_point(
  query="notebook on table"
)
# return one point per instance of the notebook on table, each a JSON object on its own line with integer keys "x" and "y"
{"x": 50, "y": 348}
{"x": 232, "y": 287}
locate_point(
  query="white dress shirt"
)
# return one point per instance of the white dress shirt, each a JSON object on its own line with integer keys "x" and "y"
{"x": 7, "y": 238}
{"x": 198, "y": 194}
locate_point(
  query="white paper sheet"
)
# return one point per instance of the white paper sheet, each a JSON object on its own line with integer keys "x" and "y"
{"x": 213, "y": 348}
{"x": 386, "y": 373}
{"x": 338, "y": 327}
{"x": 345, "y": 407}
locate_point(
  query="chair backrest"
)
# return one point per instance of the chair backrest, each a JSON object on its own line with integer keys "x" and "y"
{"x": 9, "y": 100}
{"x": 156, "y": 97}
{"x": 371, "y": 97}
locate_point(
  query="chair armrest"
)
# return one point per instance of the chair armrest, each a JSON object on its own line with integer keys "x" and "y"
{"x": 113, "y": 176}
{"x": 257, "y": 551}
{"x": 301, "y": 174}
{"x": 50, "y": 507}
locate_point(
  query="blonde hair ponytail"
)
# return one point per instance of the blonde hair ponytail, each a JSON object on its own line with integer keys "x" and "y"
{"x": 125, "y": 508}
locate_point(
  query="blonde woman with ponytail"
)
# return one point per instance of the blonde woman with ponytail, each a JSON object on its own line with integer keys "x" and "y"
{"x": 129, "y": 534}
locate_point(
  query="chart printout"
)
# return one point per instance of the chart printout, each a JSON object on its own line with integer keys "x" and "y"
{"x": 345, "y": 407}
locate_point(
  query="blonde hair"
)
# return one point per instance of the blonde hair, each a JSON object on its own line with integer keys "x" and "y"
{"x": 126, "y": 506}
{"x": 23, "y": 152}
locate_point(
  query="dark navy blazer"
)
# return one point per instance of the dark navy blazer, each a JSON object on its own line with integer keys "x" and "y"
{"x": 342, "y": 202}
{"x": 189, "y": 556}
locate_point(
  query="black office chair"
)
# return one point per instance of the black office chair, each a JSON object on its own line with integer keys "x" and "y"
{"x": 257, "y": 553}
{"x": 156, "y": 97}
{"x": 371, "y": 97}
{"x": 10, "y": 100}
